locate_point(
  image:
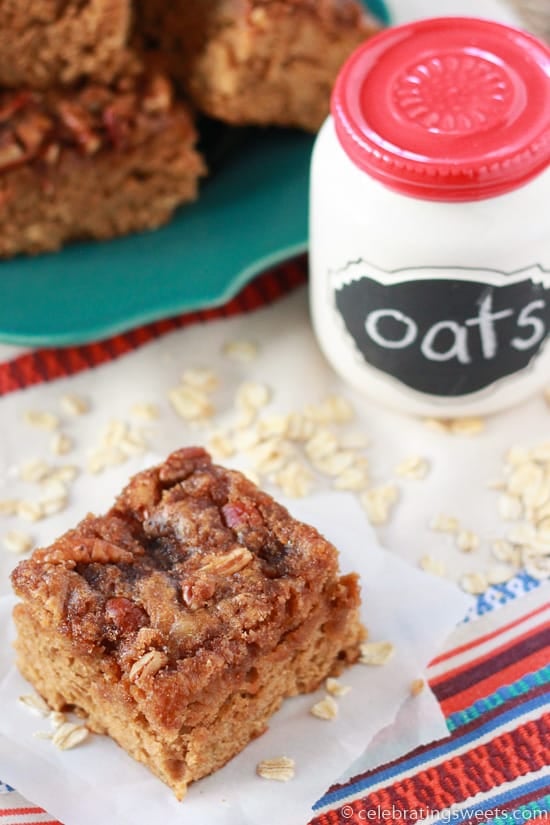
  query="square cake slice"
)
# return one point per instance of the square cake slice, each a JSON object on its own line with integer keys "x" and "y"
{"x": 180, "y": 620}
{"x": 93, "y": 161}
{"x": 50, "y": 42}
{"x": 258, "y": 61}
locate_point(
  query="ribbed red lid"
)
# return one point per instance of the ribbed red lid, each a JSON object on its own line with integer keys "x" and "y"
{"x": 450, "y": 109}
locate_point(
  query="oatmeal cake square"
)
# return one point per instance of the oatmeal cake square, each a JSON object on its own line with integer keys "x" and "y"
{"x": 94, "y": 161}
{"x": 258, "y": 61}
{"x": 180, "y": 620}
{"x": 50, "y": 42}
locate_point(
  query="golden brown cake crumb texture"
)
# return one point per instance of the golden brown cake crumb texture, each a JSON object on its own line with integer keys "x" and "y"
{"x": 258, "y": 61}
{"x": 180, "y": 620}
{"x": 93, "y": 162}
{"x": 49, "y": 42}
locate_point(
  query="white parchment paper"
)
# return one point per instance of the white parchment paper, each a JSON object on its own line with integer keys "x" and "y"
{"x": 98, "y": 782}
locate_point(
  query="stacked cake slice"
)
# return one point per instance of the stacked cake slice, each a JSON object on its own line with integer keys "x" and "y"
{"x": 93, "y": 143}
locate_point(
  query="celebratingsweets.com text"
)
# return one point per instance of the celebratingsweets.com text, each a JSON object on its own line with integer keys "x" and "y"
{"x": 452, "y": 815}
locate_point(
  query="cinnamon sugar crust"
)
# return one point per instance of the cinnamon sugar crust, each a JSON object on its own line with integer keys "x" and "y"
{"x": 180, "y": 620}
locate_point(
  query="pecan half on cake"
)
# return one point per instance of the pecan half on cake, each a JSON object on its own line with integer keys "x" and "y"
{"x": 96, "y": 161}
{"x": 257, "y": 61}
{"x": 180, "y": 620}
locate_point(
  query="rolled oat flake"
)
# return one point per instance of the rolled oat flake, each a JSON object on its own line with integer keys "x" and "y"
{"x": 430, "y": 218}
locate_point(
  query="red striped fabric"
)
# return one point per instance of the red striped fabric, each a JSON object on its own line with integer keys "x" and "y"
{"x": 43, "y": 365}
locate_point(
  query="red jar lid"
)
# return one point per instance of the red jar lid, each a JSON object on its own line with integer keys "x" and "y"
{"x": 451, "y": 109}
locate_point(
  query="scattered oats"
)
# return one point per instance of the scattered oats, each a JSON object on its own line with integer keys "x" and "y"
{"x": 505, "y": 551}
{"x": 9, "y": 506}
{"x": 34, "y": 470}
{"x": 43, "y": 734}
{"x": 444, "y": 524}
{"x": 536, "y": 495}
{"x": 335, "y": 409}
{"x": 336, "y": 688}
{"x": 67, "y": 473}
{"x": 61, "y": 444}
{"x": 36, "y": 704}
{"x": 474, "y": 583}
{"x": 299, "y": 428}
{"x": 69, "y": 735}
{"x": 220, "y": 445}
{"x": 272, "y": 425}
{"x": 30, "y": 511}
{"x": 133, "y": 443}
{"x": 74, "y": 404}
{"x": 541, "y": 453}
{"x": 334, "y": 464}
{"x": 438, "y": 425}
{"x": 546, "y": 395}
{"x": 432, "y": 565}
{"x": 467, "y": 426}
{"x": 113, "y": 433}
{"x": 510, "y": 508}
{"x": 325, "y": 709}
{"x": 53, "y": 488}
{"x": 190, "y": 403}
{"x": 517, "y": 455}
{"x": 322, "y": 444}
{"x": 538, "y": 568}
{"x": 146, "y": 411}
{"x": 354, "y": 479}
{"x": 523, "y": 476}
{"x": 467, "y": 541}
{"x": 57, "y": 718}
{"x": 54, "y": 502}
{"x": 41, "y": 420}
{"x": 378, "y": 503}
{"x": 245, "y": 439}
{"x": 416, "y": 687}
{"x": 415, "y": 468}
{"x": 243, "y": 351}
{"x": 252, "y": 396}
{"x": 245, "y": 419}
{"x": 376, "y": 653}
{"x": 522, "y": 534}
{"x": 270, "y": 456}
{"x": 105, "y": 457}
{"x": 281, "y": 768}
{"x": 17, "y": 542}
{"x": 499, "y": 574}
{"x": 295, "y": 480}
{"x": 201, "y": 379}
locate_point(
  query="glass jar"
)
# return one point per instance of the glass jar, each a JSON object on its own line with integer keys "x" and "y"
{"x": 430, "y": 218}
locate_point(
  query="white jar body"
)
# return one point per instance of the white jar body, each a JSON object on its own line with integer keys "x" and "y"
{"x": 434, "y": 308}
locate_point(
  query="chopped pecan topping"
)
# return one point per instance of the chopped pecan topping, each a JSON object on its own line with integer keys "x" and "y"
{"x": 182, "y": 463}
{"x": 228, "y": 563}
{"x": 88, "y": 551}
{"x": 125, "y": 616}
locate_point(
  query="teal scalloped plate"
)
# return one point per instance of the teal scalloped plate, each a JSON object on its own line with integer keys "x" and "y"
{"x": 252, "y": 213}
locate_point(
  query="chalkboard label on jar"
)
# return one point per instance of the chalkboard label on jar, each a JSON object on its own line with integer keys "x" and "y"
{"x": 444, "y": 331}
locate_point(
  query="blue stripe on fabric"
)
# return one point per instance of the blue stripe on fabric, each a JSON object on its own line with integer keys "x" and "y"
{"x": 530, "y": 681}
{"x": 499, "y": 595}
{"x": 449, "y": 745}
